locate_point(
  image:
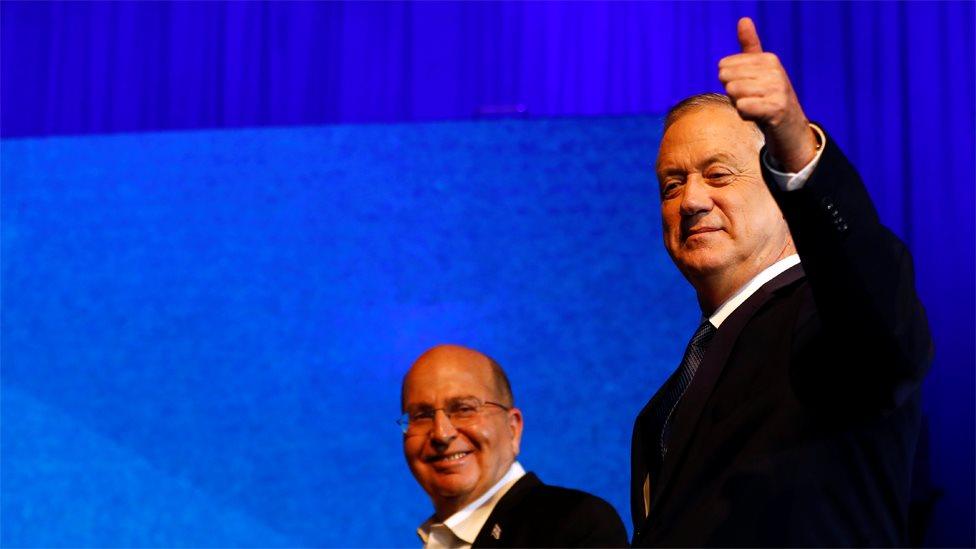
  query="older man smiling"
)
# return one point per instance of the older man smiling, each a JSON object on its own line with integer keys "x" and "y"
{"x": 461, "y": 435}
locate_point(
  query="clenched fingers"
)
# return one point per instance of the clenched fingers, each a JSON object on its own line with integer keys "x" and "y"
{"x": 738, "y": 60}
{"x": 751, "y": 72}
{"x": 737, "y": 89}
{"x": 764, "y": 110}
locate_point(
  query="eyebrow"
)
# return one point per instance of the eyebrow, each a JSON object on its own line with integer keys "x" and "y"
{"x": 715, "y": 157}
{"x": 428, "y": 405}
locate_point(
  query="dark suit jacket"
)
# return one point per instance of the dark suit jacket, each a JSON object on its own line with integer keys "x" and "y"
{"x": 532, "y": 514}
{"x": 799, "y": 428}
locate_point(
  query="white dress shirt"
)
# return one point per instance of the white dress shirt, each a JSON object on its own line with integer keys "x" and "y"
{"x": 461, "y": 529}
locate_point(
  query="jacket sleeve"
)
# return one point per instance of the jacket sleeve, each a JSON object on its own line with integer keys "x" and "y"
{"x": 865, "y": 341}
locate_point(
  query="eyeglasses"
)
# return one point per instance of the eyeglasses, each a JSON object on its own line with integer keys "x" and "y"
{"x": 460, "y": 412}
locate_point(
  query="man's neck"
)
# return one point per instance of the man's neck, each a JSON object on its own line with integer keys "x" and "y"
{"x": 449, "y": 508}
{"x": 714, "y": 289}
{"x": 718, "y": 313}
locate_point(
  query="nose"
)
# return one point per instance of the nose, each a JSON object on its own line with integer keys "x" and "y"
{"x": 443, "y": 431}
{"x": 696, "y": 197}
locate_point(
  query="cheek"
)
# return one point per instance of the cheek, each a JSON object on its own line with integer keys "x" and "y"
{"x": 479, "y": 436}
{"x": 412, "y": 449}
{"x": 489, "y": 440}
{"x": 758, "y": 219}
{"x": 733, "y": 210}
{"x": 668, "y": 211}
{"x": 670, "y": 220}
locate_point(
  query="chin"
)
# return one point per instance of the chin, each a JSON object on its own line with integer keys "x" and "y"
{"x": 453, "y": 488}
{"x": 701, "y": 267}
{"x": 699, "y": 255}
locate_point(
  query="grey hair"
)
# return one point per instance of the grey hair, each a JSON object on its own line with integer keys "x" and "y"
{"x": 698, "y": 102}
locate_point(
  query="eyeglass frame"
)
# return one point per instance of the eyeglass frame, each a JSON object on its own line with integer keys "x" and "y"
{"x": 404, "y": 420}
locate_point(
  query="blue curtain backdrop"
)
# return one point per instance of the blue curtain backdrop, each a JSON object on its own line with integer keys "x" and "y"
{"x": 892, "y": 82}
{"x": 204, "y": 332}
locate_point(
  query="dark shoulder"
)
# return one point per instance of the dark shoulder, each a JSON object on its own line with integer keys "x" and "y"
{"x": 557, "y": 498}
{"x": 573, "y": 518}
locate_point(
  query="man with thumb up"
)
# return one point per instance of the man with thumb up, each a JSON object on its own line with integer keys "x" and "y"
{"x": 793, "y": 417}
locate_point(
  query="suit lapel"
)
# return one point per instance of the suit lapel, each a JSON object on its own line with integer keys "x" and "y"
{"x": 688, "y": 413}
{"x": 639, "y": 465}
{"x": 500, "y": 521}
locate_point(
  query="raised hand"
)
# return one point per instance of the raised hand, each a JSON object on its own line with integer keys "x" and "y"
{"x": 761, "y": 91}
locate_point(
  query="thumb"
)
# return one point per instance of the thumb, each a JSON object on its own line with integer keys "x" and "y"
{"x": 748, "y": 38}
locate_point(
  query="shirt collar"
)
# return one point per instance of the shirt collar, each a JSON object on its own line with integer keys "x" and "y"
{"x": 745, "y": 292}
{"x": 466, "y": 523}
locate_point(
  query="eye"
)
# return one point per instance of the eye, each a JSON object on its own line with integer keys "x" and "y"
{"x": 670, "y": 187}
{"x": 717, "y": 174}
{"x": 463, "y": 410}
{"x": 422, "y": 415}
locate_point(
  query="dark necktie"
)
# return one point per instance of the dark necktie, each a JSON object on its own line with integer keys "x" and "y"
{"x": 694, "y": 354}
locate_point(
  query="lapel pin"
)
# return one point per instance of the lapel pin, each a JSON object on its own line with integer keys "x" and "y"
{"x": 496, "y": 532}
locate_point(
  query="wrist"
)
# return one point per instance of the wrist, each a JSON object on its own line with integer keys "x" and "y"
{"x": 790, "y": 151}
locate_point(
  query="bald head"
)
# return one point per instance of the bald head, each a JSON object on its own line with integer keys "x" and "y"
{"x": 448, "y": 357}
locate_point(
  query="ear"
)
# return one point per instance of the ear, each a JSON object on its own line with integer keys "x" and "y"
{"x": 515, "y": 426}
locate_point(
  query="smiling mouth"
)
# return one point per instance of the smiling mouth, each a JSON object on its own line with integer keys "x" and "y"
{"x": 703, "y": 230}
{"x": 447, "y": 458}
